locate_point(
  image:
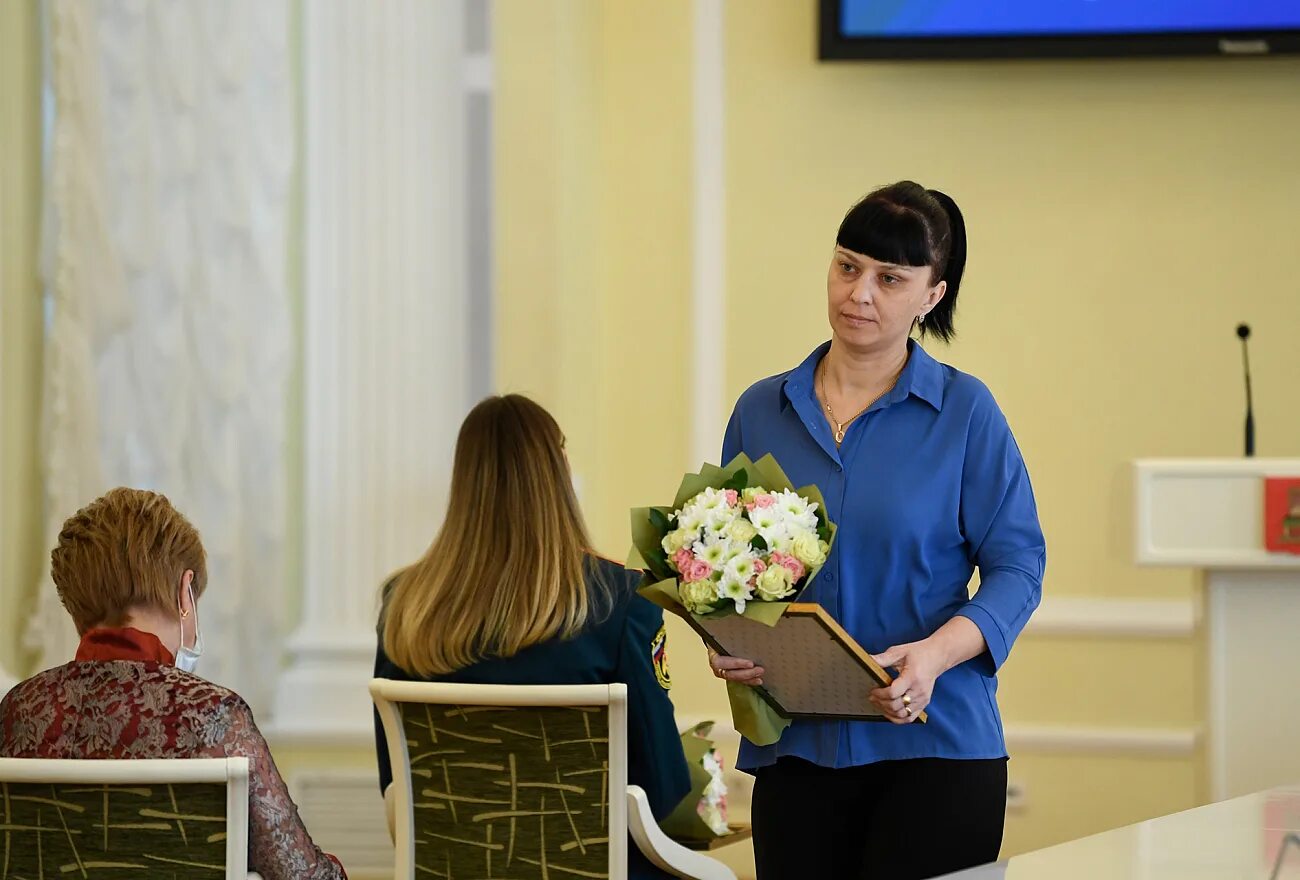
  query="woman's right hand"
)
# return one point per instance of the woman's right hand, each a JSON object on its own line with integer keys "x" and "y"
{"x": 736, "y": 669}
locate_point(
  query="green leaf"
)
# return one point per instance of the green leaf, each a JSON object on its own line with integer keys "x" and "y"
{"x": 758, "y": 543}
{"x": 657, "y": 562}
{"x": 739, "y": 481}
{"x": 660, "y": 521}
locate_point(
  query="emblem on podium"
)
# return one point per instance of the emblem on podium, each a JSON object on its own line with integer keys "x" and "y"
{"x": 1282, "y": 514}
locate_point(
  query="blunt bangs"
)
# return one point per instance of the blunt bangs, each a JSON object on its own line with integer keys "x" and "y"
{"x": 887, "y": 232}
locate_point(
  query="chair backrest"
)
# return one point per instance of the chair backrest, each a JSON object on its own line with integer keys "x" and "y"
{"x": 507, "y": 780}
{"x": 152, "y": 819}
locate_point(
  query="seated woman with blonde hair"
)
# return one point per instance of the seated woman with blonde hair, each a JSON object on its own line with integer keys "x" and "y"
{"x": 510, "y": 592}
{"x": 130, "y": 570}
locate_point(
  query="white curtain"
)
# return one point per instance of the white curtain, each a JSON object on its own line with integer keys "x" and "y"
{"x": 170, "y": 156}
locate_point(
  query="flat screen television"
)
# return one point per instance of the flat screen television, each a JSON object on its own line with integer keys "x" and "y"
{"x": 861, "y": 29}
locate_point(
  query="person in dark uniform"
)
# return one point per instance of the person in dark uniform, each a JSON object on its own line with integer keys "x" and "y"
{"x": 510, "y": 592}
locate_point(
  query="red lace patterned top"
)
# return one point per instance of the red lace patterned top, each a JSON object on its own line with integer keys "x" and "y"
{"x": 122, "y": 697}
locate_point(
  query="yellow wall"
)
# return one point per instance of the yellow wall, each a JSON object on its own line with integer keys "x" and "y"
{"x": 1124, "y": 216}
{"x": 21, "y": 532}
{"x": 593, "y": 236}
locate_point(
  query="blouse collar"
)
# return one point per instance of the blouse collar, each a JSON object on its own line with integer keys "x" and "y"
{"x": 123, "y": 643}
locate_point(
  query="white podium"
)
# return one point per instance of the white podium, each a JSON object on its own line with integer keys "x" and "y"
{"x": 1209, "y": 514}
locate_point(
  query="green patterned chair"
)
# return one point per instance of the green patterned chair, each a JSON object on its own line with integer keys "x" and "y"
{"x": 110, "y": 820}
{"x": 516, "y": 782}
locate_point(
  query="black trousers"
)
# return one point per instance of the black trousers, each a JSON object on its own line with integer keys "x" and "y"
{"x": 895, "y": 820}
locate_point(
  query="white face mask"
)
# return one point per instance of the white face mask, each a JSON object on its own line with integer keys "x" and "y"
{"x": 188, "y": 658}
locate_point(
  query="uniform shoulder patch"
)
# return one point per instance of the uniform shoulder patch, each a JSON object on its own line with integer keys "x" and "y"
{"x": 659, "y": 657}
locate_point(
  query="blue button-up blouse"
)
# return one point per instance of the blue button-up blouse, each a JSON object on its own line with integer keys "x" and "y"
{"x": 927, "y": 486}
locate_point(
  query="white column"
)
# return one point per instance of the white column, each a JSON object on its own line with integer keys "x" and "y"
{"x": 384, "y": 329}
{"x": 708, "y": 217}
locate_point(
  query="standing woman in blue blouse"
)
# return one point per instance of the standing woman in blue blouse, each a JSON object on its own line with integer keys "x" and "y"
{"x": 920, "y": 471}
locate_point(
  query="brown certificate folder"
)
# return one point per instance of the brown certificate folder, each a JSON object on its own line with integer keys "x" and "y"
{"x": 812, "y": 667}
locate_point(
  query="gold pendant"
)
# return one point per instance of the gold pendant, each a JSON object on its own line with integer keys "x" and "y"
{"x": 839, "y": 434}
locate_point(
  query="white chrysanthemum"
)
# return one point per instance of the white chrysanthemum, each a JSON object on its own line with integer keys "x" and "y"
{"x": 737, "y": 591}
{"x": 710, "y": 499}
{"x": 797, "y": 513}
{"x": 690, "y": 519}
{"x": 765, "y": 517}
{"x": 719, "y": 520}
{"x": 741, "y": 567}
{"x": 716, "y": 550}
{"x": 791, "y": 503}
{"x": 777, "y": 538}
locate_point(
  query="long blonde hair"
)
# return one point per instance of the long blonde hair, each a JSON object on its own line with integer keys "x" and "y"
{"x": 506, "y": 569}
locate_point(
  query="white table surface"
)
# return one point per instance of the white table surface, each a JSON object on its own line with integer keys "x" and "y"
{"x": 1238, "y": 839}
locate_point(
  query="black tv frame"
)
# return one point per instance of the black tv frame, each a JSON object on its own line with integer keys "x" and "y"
{"x": 834, "y": 46}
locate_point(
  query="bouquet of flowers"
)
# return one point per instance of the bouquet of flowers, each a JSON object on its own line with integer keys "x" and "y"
{"x": 740, "y": 540}
{"x": 702, "y": 814}
{"x": 729, "y": 547}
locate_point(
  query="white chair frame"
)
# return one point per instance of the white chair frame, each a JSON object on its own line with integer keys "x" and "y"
{"x": 629, "y": 809}
{"x": 232, "y": 772}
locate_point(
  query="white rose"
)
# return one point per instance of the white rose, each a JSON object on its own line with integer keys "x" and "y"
{"x": 676, "y": 540}
{"x": 808, "y": 549}
{"x": 775, "y": 583}
{"x": 741, "y": 531}
{"x": 698, "y": 596}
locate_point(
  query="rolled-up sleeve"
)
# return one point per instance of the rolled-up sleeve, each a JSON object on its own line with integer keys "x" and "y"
{"x": 999, "y": 518}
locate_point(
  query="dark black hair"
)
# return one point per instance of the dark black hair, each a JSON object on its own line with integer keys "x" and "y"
{"x": 907, "y": 224}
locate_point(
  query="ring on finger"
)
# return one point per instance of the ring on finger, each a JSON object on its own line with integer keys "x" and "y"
{"x": 907, "y": 699}
{"x": 908, "y": 710}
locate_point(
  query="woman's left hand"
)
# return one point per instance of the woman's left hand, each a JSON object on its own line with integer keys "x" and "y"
{"x": 918, "y": 664}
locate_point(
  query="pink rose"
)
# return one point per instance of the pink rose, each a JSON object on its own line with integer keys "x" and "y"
{"x": 759, "y": 566}
{"x": 762, "y": 501}
{"x": 792, "y": 563}
{"x": 696, "y": 570}
{"x": 682, "y": 558}
{"x": 732, "y": 497}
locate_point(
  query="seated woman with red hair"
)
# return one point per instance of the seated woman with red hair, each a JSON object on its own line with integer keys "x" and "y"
{"x": 130, "y": 570}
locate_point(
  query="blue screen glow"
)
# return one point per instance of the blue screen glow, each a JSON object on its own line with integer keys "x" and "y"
{"x": 1039, "y": 18}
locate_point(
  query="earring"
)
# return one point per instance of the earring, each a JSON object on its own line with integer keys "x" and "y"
{"x": 920, "y": 319}
{"x": 185, "y": 614}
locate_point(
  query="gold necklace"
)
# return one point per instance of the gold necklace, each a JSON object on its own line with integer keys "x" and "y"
{"x": 841, "y": 427}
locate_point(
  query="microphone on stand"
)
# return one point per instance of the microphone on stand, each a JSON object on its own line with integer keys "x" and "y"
{"x": 1243, "y": 333}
